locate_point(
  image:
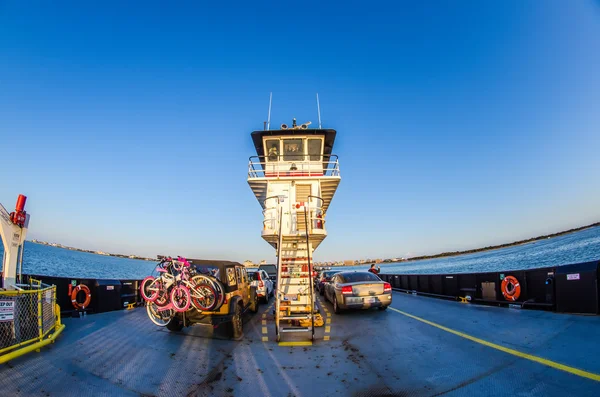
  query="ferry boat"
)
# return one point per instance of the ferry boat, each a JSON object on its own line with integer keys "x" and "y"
{"x": 420, "y": 346}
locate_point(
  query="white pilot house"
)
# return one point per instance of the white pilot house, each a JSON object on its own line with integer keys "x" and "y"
{"x": 294, "y": 177}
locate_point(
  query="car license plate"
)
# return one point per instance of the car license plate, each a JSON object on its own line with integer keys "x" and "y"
{"x": 370, "y": 300}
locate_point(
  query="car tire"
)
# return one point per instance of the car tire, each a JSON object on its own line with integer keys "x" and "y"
{"x": 382, "y": 307}
{"x": 321, "y": 291}
{"x": 336, "y": 308}
{"x": 236, "y": 325}
{"x": 175, "y": 325}
{"x": 255, "y": 302}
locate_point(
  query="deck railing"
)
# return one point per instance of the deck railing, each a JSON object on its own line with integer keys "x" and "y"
{"x": 297, "y": 165}
{"x": 29, "y": 319}
{"x": 316, "y": 219}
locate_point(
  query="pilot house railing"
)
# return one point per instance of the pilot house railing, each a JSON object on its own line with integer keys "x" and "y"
{"x": 276, "y": 166}
{"x": 314, "y": 209}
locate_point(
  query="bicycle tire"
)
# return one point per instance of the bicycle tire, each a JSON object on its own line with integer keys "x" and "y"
{"x": 146, "y": 283}
{"x": 180, "y": 298}
{"x": 209, "y": 295}
{"x": 159, "y": 318}
{"x": 216, "y": 285}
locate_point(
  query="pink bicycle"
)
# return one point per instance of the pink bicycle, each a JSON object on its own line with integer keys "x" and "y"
{"x": 192, "y": 290}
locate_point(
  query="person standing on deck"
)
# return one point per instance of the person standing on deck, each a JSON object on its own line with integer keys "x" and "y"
{"x": 373, "y": 270}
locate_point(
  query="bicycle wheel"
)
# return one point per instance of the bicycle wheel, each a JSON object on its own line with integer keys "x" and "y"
{"x": 148, "y": 289}
{"x": 164, "y": 294}
{"x": 204, "y": 297}
{"x": 180, "y": 298}
{"x": 216, "y": 286}
{"x": 160, "y": 318}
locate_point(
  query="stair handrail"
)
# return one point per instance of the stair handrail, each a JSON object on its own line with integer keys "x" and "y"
{"x": 277, "y": 295}
{"x": 310, "y": 276}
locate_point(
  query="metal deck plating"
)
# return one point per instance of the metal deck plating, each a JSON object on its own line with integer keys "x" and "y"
{"x": 367, "y": 353}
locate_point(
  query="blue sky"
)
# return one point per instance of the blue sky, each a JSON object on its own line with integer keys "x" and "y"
{"x": 460, "y": 124}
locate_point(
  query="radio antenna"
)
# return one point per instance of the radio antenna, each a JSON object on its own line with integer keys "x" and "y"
{"x": 319, "y": 110}
{"x": 269, "y": 117}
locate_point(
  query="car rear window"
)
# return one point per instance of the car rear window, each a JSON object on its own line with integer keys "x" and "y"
{"x": 329, "y": 274}
{"x": 208, "y": 270}
{"x": 358, "y": 277}
{"x": 253, "y": 276}
{"x": 270, "y": 269}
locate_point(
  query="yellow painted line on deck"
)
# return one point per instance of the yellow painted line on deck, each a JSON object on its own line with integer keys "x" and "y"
{"x": 265, "y": 338}
{"x": 327, "y": 329}
{"x": 299, "y": 343}
{"x": 264, "y": 322}
{"x": 326, "y": 337}
{"x": 264, "y": 330}
{"x": 264, "y": 315}
{"x": 552, "y": 364}
{"x": 328, "y": 321}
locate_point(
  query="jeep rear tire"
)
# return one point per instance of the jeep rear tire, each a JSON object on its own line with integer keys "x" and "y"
{"x": 236, "y": 325}
{"x": 254, "y": 301}
{"x": 175, "y": 325}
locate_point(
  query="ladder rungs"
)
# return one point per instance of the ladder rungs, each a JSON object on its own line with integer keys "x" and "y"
{"x": 295, "y": 329}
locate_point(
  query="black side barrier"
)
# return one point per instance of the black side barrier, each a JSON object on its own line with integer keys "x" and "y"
{"x": 577, "y": 288}
{"x": 424, "y": 283}
{"x": 413, "y": 282}
{"x": 108, "y": 296}
{"x": 467, "y": 285}
{"x": 404, "y": 284}
{"x": 568, "y": 288}
{"x": 130, "y": 293}
{"x": 435, "y": 282}
{"x": 450, "y": 285}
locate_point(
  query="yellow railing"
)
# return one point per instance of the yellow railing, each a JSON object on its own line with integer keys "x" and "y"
{"x": 29, "y": 319}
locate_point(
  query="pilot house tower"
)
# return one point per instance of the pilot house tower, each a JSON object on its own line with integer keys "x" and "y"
{"x": 294, "y": 177}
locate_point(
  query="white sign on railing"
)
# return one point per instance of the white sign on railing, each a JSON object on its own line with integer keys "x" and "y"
{"x": 7, "y": 310}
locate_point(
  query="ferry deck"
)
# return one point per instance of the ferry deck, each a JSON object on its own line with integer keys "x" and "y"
{"x": 442, "y": 348}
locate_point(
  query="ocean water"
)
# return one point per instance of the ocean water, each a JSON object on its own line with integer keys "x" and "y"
{"x": 570, "y": 248}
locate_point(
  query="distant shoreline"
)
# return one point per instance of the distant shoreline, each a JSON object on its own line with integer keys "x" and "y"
{"x": 495, "y": 247}
{"x": 476, "y": 250}
{"x": 101, "y": 253}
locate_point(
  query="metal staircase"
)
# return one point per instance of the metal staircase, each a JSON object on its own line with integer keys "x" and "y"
{"x": 295, "y": 299}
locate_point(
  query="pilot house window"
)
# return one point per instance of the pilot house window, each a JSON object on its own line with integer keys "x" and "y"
{"x": 272, "y": 149}
{"x": 293, "y": 150}
{"x": 314, "y": 149}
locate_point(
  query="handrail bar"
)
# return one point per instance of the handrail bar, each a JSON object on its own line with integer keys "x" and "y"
{"x": 323, "y": 156}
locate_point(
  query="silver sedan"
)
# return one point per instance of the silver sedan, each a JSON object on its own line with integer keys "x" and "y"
{"x": 358, "y": 290}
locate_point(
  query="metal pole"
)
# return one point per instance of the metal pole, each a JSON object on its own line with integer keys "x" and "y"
{"x": 21, "y": 263}
{"x": 269, "y": 117}
{"x": 319, "y": 110}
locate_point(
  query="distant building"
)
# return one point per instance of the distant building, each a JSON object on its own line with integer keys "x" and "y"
{"x": 349, "y": 262}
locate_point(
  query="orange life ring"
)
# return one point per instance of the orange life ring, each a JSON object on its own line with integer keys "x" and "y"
{"x": 88, "y": 296}
{"x": 515, "y": 288}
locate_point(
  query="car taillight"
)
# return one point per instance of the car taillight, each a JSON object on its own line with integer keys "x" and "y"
{"x": 260, "y": 284}
{"x": 387, "y": 287}
{"x": 347, "y": 290}
{"x": 258, "y": 276}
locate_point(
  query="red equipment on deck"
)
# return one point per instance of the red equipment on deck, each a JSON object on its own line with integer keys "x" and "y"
{"x": 18, "y": 217}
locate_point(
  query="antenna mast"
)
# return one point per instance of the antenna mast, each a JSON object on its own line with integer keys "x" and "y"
{"x": 269, "y": 117}
{"x": 319, "y": 110}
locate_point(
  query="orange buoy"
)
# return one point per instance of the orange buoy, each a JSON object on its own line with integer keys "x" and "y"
{"x": 88, "y": 296}
{"x": 511, "y": 289}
